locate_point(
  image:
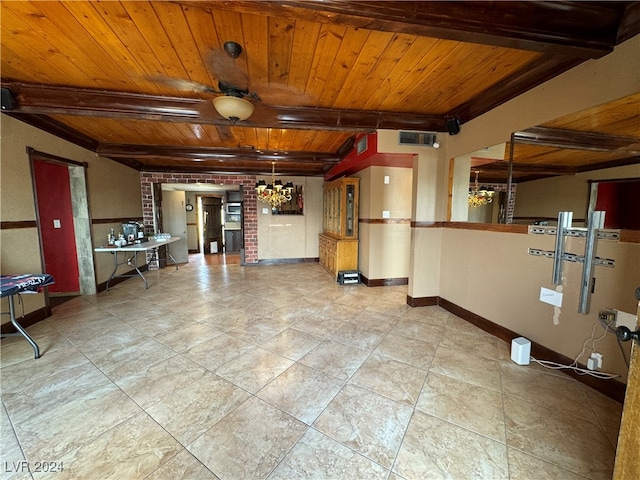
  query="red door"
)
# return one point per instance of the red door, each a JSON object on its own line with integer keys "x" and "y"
{"x": 55, "y": 212}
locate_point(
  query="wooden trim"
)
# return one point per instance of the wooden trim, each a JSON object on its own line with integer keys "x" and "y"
{"x": 612, "y": 388}
{"x": 530, "y": 76}
{"x": 18, "y": 224}
{"x": 620, "y": 162}
{"x": 384, "y": 282}
{"x": 486, "y": 227}
{"x": 28, "y": 320}
{"x": 47, "y": 157}
{"x": 101, "y": 221}
{"x": 417, "y": 224}
{"x": 630, "y": 236}
{"x": 503, "y": 24}
{"x": 278, "y": 261}
{"x": 422, "y": 301}
{"x": 35, "y": 102}
{"x": 572, "y": 139}
{"x": 550, "y": 219}
{"x": 116, "y": 150}
{"x": 450, "y": 188}
{"x": 385, "y": 221}
{"x": 614, "y": 180}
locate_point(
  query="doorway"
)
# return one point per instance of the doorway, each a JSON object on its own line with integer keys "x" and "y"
{"x": 211, "y": 227}
{"x": 174, "y": 221}
{"x": 63, "y": 223}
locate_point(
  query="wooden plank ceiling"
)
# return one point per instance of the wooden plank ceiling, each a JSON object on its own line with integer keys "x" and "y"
{"x": 134, "y": 80}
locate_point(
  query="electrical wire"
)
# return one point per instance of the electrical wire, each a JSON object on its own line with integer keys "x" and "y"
{"x": 607, "y": 327}
{"x": 624, "y": 355}
{"x": 593, "y": 340}
{"x": 578, "y": 370}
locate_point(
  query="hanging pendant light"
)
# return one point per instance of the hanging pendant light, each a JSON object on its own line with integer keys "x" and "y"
{"x": 480, "y": 195}
{"x": 275, "y": 194}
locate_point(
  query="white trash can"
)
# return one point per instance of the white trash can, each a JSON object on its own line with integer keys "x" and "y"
{"x": 214, "y": 247}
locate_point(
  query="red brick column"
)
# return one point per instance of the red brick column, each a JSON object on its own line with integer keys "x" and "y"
{"x": 249, "y": 203}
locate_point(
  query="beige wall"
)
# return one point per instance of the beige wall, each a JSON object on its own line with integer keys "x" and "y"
{"x": 492, "y": 275}
{"x": 292, "y": 236}
{"x": 114, "y": 192}
{"x": 384, "y": 248}
{"x": 547, "y": 197}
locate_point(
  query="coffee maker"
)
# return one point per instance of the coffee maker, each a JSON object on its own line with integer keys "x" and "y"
{"x": 134, "y": 232}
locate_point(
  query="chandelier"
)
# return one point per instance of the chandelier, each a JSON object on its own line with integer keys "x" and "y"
{"x": 479, "y": 196}
{"x": 275, "y": 194}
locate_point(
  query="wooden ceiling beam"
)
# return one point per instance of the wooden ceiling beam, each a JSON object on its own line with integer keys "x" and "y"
{"x": 568, "y": 28}
{"x": 208, "y": 153}
{"x": 237, "y": 169}
{"x": 50, "y": 100}
{"x": 503, "y": 166}
{"x": 573, "y": 139}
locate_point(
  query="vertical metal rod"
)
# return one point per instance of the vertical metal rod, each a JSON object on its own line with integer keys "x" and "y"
{"x": 509, "y": 178}
{"x": 564, "y": 222}
{"x": 23, "y": 332}
{"x": 596, "y": 221}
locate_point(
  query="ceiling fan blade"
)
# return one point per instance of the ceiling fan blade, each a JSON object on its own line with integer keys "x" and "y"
{"x": 229, "y": 71}
{"x": 184, "y": 85}
{"x": 281, "y": 94}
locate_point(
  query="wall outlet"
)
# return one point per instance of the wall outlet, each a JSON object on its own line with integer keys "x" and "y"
{"x": 594, "y": 362}
{"x": 624, "y": 319}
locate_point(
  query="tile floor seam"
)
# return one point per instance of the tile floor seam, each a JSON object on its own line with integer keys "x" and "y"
{"x": 413, "y": 411}
{"x": 504, "y": 421}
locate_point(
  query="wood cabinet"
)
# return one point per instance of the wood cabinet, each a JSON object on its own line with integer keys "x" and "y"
{"x": 339, "y": 240}
{"x": 232, "y": 240}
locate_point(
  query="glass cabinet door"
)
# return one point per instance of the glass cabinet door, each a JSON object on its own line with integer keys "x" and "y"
{"x": 349, "y": 210}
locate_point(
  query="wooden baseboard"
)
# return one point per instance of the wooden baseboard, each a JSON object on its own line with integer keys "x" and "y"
{"x": 383, "y": 282}
{"x": 611, "y": 388}
{"x": 28, "y": 320}
{"x": 277, "y": 261}
{"x": 422, "y": 301}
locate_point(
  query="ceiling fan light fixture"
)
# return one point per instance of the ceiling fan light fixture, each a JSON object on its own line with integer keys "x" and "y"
{"x": 233, "y": 49}
{"x": 233, "y": 108}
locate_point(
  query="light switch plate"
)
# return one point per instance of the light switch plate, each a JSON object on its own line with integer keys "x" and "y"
{"x": 56, "y": 224}
{"x": 385, "y": 214}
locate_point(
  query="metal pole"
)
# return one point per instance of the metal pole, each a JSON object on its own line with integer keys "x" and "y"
{"x": 596, "y": 222}
{"x": 509, "y": 178}
{"x": 564, "y": 222}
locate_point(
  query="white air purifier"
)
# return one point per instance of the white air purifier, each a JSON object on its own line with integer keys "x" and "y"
{"x": 521, "y": 350}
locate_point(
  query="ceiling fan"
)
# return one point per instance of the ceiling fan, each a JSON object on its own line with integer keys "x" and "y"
{"x": 233, "y": 85}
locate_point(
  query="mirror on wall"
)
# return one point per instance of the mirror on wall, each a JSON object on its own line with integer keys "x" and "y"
{"x": 564, "y": 165}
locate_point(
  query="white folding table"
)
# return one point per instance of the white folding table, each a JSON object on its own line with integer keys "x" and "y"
{"x": 132, "y": 260}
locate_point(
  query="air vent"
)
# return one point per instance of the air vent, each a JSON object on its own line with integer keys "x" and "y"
{"x": 417, "y": 138}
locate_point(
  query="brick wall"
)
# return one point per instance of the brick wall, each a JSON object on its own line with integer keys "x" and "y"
{"x": 147, "y": 179}
{"x": 502, "y": 187}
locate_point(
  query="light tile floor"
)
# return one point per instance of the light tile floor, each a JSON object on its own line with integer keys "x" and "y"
{"x": 277, "y": 372}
